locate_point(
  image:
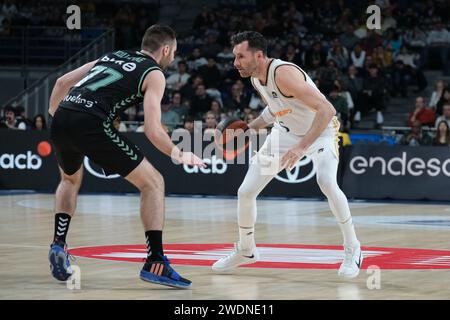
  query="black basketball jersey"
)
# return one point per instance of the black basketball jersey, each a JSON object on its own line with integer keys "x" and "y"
{"x": 112, "y": 85}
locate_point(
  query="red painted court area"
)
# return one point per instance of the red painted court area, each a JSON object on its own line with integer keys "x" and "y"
{"x": 290, "y": 256}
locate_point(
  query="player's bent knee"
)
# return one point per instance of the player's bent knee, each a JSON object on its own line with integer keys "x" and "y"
{"x": 327, "y": 185}
{"x": 246, "y": 193}
{"x": 153, "y": 182}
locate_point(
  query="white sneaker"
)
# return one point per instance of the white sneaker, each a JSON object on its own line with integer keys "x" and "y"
{"x": 357, "y": 116}
{"x": 352, "y": 261}
{"x": 236, "y": 258}
{"x": 380, "y": 118}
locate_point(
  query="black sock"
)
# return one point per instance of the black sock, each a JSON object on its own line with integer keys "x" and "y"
{"x": 154, "y": 245}
{"x": 62, "y": 221}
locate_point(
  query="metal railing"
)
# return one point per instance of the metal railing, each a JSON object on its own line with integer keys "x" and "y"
{"x": 35, "y": 98}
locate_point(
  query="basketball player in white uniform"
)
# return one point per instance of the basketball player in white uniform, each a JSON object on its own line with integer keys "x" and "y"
{"x": 304, "y": 123}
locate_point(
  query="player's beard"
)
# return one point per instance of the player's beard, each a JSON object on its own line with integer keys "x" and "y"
{"x": 249, "y": 71}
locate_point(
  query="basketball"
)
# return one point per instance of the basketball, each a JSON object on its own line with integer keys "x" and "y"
{"x": 231, "y": 137}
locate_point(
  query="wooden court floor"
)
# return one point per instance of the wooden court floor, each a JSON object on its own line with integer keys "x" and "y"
{"x": 297, "y": 241}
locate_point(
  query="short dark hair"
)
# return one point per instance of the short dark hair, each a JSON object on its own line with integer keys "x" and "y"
{"x": 256, "y": 41}
{"x": 9, "y": 108}
{"x": 156, "y": 36}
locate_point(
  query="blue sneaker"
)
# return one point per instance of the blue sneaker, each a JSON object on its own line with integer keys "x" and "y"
{"x": 160, "y": 272}
{"x": 59, "y": 261}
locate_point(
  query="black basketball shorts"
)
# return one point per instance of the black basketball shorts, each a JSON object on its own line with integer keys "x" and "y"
{"x": 79, "y": 134}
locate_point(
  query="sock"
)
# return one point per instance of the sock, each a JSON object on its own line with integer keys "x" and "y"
{"x": 348, "y": 231}
{"x": 247, "y": 237}
{"x": 62, "y": 221}
{"x": 154, "y": 245}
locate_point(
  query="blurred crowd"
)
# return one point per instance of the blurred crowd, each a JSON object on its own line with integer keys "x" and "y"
{"x": 358, "y": 69}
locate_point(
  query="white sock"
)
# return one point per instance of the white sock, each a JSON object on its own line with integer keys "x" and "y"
{"x": 348, "y": 231}
{"x": 247, "y": 237}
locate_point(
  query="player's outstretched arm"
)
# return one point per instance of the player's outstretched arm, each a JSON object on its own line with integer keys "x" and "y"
{"x": 291, "y": 82}
{"x": 153, "y": 86}
{"x": 65, "y": 82}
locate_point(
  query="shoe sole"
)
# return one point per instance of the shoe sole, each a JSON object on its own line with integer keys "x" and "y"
{"x": 164, "y": 283}
{"x": 58, "y": 266}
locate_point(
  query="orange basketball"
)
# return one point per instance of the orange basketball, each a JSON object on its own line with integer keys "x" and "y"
{"x": 44, "y": 148}
{"x": 228, "y": 137}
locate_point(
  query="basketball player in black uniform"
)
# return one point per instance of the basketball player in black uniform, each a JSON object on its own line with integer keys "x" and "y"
{"x": 83, "y": 105}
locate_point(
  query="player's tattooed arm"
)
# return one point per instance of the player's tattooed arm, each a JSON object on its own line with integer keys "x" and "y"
{"x": 153, "y": 87}
{"x": 65, "y": 82}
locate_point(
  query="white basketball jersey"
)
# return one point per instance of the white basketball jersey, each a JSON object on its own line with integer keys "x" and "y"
{"x": 291, "y": 114}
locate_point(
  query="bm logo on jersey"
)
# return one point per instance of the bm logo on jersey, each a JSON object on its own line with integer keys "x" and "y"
{"x": 283, "y": 256}
{"x": 274, "y": 95}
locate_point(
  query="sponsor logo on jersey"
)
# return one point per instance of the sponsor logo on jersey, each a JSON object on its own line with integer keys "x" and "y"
{"x": 78, "y": 100}
{"x": 274, "y": 95}
{"x": 282, "y": 256}
{"x": 283, "y": 112}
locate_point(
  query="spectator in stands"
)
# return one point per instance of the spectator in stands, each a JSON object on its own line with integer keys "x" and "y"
{"x": 210, "y": 73}
{"x": 416, "y": 137}
{"x": 422, "y": 113}
{"x": 400, "y": 79}
{"x": 210, "y": 122}
{"x": 178, "y": 106}
{"x": 9, "y": 9}
{"x": 119, "y": 125}
{"x": 438, "y": 41}
{"x": 168, "y": 117}
{"x": 358, "y": 56}
{"x": 340, "y": 104}
{"x": 445, "y": 115}
{"x": 339, "y": 54}
{"x": 373, "y": 94}
{"x": 393, "y": 41}
{"x": 10, "y": 119}
{"x": 348, "y": 39}
{"x": 354, "y": 85}
{"x": 196, "y": 59}
{"x": 216, "y": 109}
{"x": 179, "y": 79}
{"x": 189, "y": 124}
{"x": 445, "y": 98}
{"x": 292, "y": 55}
{"x": 188, "y": 91}
{"x": 201, "y": 102}
{"x": 21, "y": 118}
{"x": 249, "y": 117}
{"x": 412, "y": 70}
{"x": 328, "y": 75}
{"x": 315, "y": 56}
{"x": 39, "y": 123}
{"x": 225, "y": 57}
{"x": 437, "y": 93}
{"x": 211, "y": 48}
{"x": 383, "y": 57}
{"x": 442, "y": 134}
{"x": 238, "y": 100}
